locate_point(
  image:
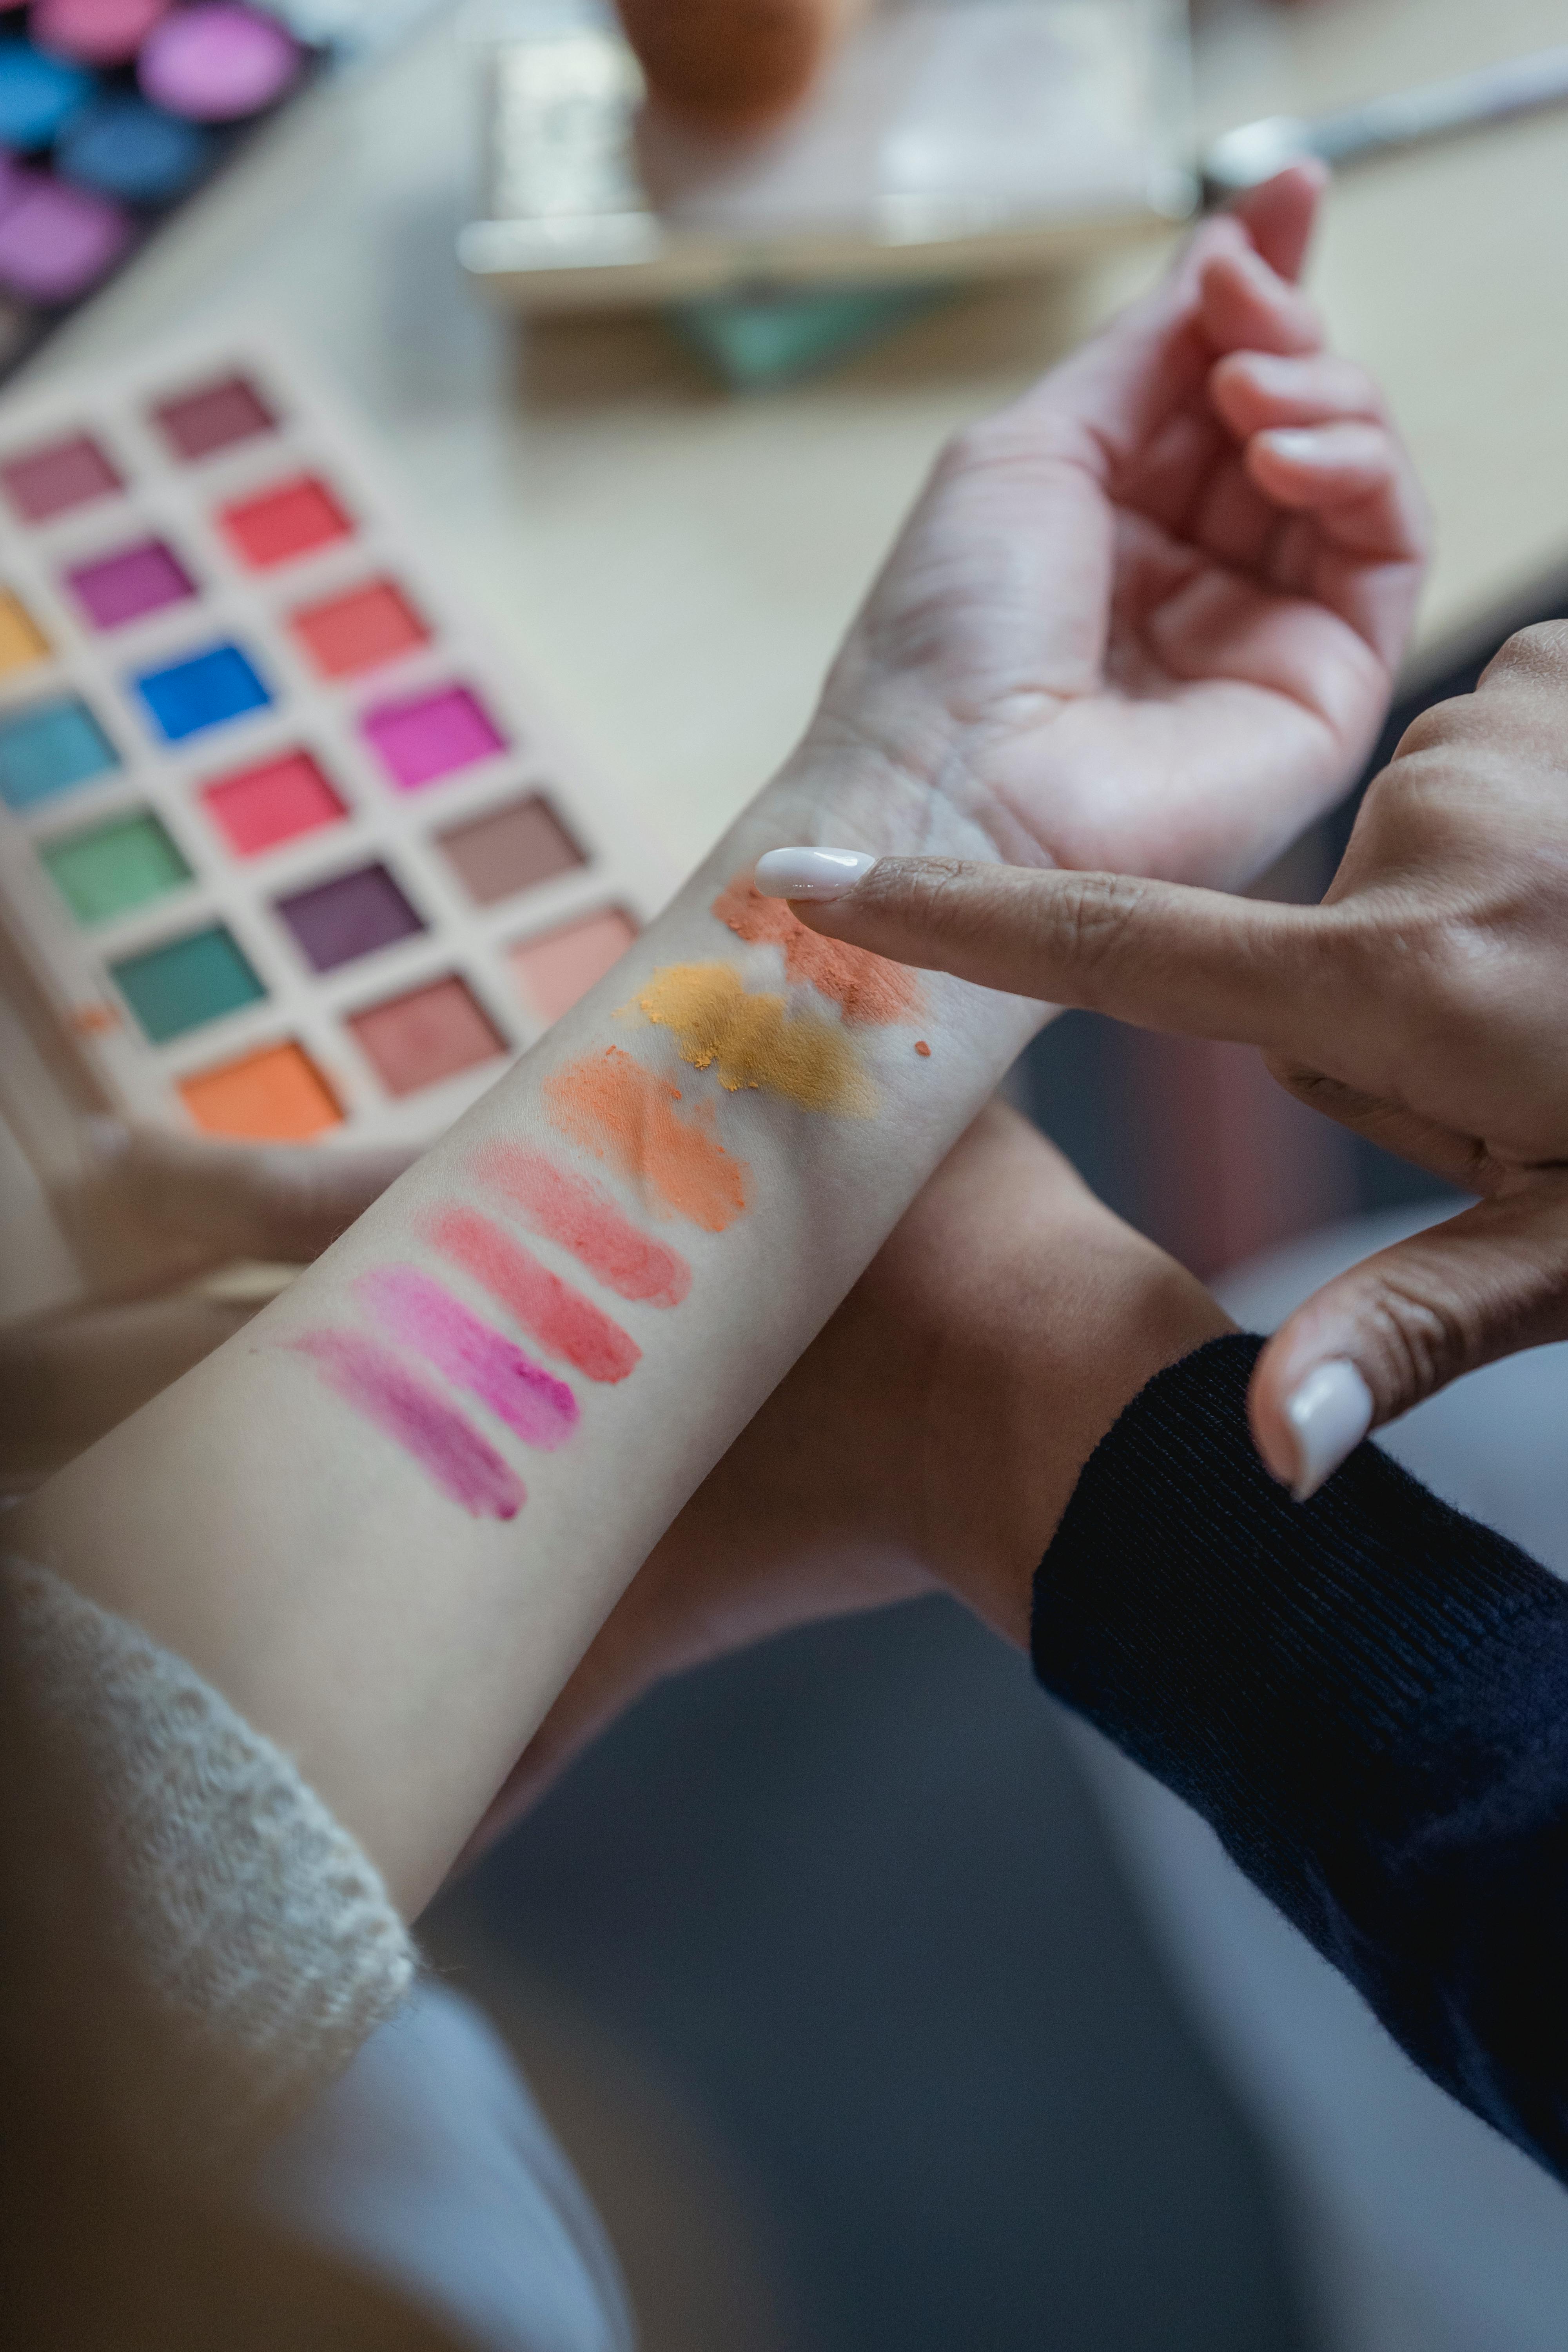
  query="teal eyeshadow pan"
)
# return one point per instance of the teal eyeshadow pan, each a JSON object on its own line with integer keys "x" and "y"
{"x": 188, "y": 982}
{"x": 48, "y": 748}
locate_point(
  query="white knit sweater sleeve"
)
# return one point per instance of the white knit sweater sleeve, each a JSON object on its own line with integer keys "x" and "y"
{"x": 258, "y": 1929}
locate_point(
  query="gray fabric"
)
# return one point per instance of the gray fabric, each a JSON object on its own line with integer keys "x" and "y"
{"x": 428, "y": 2165}
{"x": 258, "y": 1926}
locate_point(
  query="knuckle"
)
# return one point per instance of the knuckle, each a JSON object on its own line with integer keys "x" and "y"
{"x": 1537, "y": 655}
{"x": 1421, "y": 1333}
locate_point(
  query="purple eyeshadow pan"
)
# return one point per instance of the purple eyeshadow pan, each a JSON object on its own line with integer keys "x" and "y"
{"x": 56, "y": 240}
{"x": 51, "y": 480}
{"x": 213, "y": 417}
{"x": 351, "y": 915}
{"x": 137, "y": 580}
{"x": 218, "y": 62}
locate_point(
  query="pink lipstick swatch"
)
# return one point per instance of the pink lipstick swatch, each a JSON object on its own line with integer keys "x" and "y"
{"x": 411, "y": 1308}
{"x": 563, "y": 1322}
{"x": 583, "y": 1218}
{"x": 369, "y": 1378}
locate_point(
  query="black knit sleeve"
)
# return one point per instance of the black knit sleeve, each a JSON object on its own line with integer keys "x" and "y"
{"x": 1367, "y": 1697}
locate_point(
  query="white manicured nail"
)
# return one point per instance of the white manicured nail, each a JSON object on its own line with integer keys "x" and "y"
{"x": 1330, "y": 1414}
{"x": 103, "y": 1140}
{"x": 811, "y": 873}
{"x": 1299, "y": 443}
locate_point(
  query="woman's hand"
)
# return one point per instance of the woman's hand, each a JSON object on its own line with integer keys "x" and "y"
{"x": 1423, "y": 1004}
{"x": 1148, "y": 616}
{"x": 930, "y": 1437}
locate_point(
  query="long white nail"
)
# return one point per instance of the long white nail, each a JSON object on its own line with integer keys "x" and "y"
{"x": 811, "y": 873}
{"x": 103, "y": 1140}
{"x": 1330, "y": 1414}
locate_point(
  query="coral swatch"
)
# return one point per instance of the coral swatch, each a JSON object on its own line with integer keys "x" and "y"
{"x": 757, "y": 1041}
{"x": 370, "y": 1379}
{"x": 865, "y": 987}
{"x": 624, "y": 1113}
{"x": 562, "y": 1320}
{"x": 410, "y": 1306}
{"x": 583, "y": 1218}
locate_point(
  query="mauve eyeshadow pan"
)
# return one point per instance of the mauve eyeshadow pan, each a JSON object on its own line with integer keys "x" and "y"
{"x": 51, "y": 481}
{"x": 214, "y": 418}
{"x": 351, "y": 915}
{"x": 510, "y": 850}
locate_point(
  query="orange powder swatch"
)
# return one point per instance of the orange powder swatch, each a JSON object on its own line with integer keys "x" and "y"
{"x": 624, "y": 1113}
{"x": 756, "y": 1040}
{"x": 866, "y": 986}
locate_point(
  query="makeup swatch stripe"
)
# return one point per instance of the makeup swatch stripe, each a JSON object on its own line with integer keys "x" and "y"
{"x": 582, "y": 1217}
{"x": 369, "y": 1378}
{"x": 560, "y": 1318}
{"x": 412, "y": 1308}
{"x": 626, "y": 1114}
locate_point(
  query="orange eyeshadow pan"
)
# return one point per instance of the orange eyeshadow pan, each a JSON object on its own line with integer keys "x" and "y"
{"x": 277, "y": 1095}
{"x": 359, "y": 631}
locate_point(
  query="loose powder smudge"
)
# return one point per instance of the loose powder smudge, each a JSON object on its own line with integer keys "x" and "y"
{"x": 370, "y": 1379}
{"x": 560, "y": 1318}
{"x": 582, "y": 1218}
{"x": 615, "y": 1109}
{"x": 757, "y": 1041}
{"x": 411, "y": 1308}
{"x": 867, "y": 987}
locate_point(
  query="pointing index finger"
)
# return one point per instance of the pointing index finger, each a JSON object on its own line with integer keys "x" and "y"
{"x": 1159, "y": 955}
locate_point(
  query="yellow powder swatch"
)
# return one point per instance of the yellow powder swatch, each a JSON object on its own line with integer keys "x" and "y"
{"x": 756, "y": 1040}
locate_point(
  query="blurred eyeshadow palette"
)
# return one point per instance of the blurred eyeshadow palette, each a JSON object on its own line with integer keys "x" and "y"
{"x": 113, "y": 112}
{"x": 286, "y": 850}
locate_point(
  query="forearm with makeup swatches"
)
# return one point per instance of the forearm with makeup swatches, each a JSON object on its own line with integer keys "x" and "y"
{"x": 312, "y": 1517}
{"x": 387, "y": 1517}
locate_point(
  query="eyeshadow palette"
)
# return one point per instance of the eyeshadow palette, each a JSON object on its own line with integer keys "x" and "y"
{"x": 286, "y": 850}
{"x": 113, "y": 112}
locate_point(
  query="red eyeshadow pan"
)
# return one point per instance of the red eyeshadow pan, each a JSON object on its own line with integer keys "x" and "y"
{"x": 265, "y": 805}
{"x": 431, "y": 1034}
{"x": 285, "y": 521}
{"x": 359, "y": 631}
{"x": 214, "y": 418}
{"x": 51, "y": 481}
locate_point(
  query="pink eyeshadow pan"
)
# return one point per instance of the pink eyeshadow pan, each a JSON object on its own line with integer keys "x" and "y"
{"x": 430, "y": 1033}
{"x": 419, "y": 742}
{"x": 141, "y": 579}
{"x": 272, "y": 804}
{"x": 555, "y": 971}
{"x": 51, "y": 481}
{"x": 214, "y": 418}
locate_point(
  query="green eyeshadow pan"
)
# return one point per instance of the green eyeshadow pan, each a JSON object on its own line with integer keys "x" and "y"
{"x": 178, "y": 987}
{"x": 114, "y": 866}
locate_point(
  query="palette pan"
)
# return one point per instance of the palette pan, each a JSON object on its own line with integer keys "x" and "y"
{"x": 288, "y": 849}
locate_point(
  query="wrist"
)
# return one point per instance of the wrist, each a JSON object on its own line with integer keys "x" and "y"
{"x": 1092, "y": 1314}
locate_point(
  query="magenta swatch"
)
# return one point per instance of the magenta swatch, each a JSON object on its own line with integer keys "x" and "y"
{"x": 141, "y": 579}
{"x": 405, "y": 1408}
{"x": 412, "y": 1308}
{"x": 421, "y": 740}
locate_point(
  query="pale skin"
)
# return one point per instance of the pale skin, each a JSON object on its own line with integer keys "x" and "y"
{"x": 406, "y": 1652}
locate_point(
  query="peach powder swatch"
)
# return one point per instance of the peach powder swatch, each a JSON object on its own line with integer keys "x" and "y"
{"x": 624, "y": 1113}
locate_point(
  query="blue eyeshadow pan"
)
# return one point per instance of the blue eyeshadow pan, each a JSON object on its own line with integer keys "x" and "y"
{"x": 39, "y": 95}
{"x": 125, "y": 148}
{"x": 47, "y": 748}
{"x": 202, "y": 692}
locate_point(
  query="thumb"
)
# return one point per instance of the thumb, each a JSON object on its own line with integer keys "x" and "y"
{"x": 1405, "y": 1323}
{"x": 1160, "y": 954}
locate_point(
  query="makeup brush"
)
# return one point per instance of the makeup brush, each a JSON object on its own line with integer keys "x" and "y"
{"x": 733, "y": 65}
